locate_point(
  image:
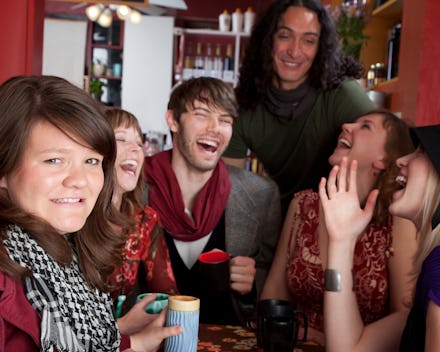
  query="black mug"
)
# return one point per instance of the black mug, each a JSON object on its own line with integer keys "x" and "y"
{"x": 214, "y": 272}
{"x": 278, "y": 325}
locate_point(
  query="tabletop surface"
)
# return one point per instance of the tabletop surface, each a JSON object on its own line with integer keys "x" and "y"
{"x": 228, "y": 338}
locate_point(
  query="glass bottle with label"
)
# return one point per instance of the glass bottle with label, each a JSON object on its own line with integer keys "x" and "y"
{"x": 393, "y": 51}
{"x": 381, "y": 73}
{"x": 208, "y": 64}
{"x": 228, "y": 65}
{"x": 371, "y": 75}
{"x": 218, "y": 61}
{"x": 198, "y": 62}
{"x": 189, "y": 57}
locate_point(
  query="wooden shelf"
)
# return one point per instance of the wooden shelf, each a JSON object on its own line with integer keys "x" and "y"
{"x": 110, "y": 50}
{"x": 237, "y": 37}
{"x": 392, "y": 9}
{"x": 382, "y": 19}
{"x": 180, "y": 31}
{"x": 114, "y": 78}
{"x": 390, "y": 82}
{"x": 106, "y": 46}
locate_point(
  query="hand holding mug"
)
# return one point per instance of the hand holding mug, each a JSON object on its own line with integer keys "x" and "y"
{"x": 136, "y": 318}
{"x": 242, "y": 274}
{"x": 157, "y": 305}
{"x": 150, "y": 338}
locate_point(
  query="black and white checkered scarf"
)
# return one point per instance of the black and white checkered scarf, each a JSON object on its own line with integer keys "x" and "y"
{"x": 73, "y": 316}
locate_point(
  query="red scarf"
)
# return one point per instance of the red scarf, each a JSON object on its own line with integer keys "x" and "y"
{"x": 166, "y": 198}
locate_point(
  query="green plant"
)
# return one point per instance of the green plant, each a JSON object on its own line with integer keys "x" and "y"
{"x": 351, "y": 17}
{"x": 96, "y": 86}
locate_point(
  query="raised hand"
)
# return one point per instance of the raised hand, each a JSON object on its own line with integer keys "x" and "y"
{"x": 344, "y": 217}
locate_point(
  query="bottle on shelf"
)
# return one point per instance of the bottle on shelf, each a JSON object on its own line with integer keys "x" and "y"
{"x": 393, "y": 51}
{"x": 371, "y": 76}
{"x": 224, "y": 21}
{"x": 208, "y": 63}
{"x": 228, "y": 65}
{"x": 249, "y": 19}
{"x": 237, "y": 21}
{"x": 218, "y": 62}
{"x": 381, "y": 73}
{"x": 188, "y": 61}
{"x": 198, "y": 62}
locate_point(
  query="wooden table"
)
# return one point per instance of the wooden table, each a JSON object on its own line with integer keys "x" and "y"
{"x": 228, "y": 338}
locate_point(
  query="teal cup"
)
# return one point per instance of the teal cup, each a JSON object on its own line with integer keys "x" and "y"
{"x": 157, "y": 305}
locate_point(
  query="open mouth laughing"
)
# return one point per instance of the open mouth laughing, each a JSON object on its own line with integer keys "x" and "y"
{"x": 208, "y": 144}
{"x": 129, "y": 166}
{"x": 401, "y": 181}
{"x": 342, "y": 142}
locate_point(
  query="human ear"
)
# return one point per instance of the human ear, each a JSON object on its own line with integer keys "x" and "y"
{"x": 3, "y": 182}
{"x": 379, "y": 164}
{"x": 171, "y": 121}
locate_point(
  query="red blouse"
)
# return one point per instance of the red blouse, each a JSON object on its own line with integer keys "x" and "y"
{"x": 148, "y": 248}
{"x": 305, "y": 274}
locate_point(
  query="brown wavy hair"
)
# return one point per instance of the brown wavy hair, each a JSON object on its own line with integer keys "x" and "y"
{"x": 25, "y": 100}
{"x": 131, "y": 201}
{"x": 397, "y": 144}
{"x": 211, "y": 91}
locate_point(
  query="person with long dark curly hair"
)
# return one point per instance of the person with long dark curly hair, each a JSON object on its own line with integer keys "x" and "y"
{"x": 296, "y": 88}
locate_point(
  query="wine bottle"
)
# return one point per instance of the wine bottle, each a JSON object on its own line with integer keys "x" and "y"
{"x": 198, "y": 64}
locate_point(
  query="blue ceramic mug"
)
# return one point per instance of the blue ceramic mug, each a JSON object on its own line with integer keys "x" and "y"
{"x": 183, "y": 311}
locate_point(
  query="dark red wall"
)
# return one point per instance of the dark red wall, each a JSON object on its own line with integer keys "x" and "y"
{"x": 210, "y": 10}
{"x": 428, "y": 105}
{"x": 21, "y": 37}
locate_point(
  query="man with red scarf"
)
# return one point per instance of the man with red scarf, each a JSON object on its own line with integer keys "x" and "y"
{"x": 204, "y": 205}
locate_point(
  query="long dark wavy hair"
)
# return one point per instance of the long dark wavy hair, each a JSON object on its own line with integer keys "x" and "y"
{"x": 24, "y": 101}
{"x": 329, "y": 68}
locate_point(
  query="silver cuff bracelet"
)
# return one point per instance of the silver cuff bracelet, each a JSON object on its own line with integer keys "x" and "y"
{"x": 332, "y": 280}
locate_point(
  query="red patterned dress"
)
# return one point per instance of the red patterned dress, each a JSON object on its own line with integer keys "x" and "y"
{"x": 305, "y": 274}
{"x": 146, "y": 247}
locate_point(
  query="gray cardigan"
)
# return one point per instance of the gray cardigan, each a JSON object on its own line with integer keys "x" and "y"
{"x": 253, "y": 220}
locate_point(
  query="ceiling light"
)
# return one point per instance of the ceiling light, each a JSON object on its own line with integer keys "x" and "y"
{"x": 94, "y": 11}
{"x": 135, "y": 17}
{"x": 106, "y": 18}
{"x": 123, "y": 12}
